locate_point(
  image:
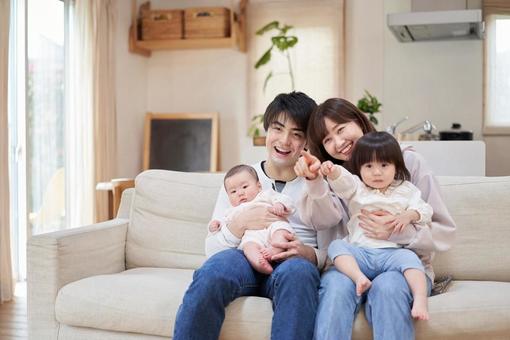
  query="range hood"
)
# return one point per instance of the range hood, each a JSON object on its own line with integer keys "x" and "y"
{"x": 437, "y": 25}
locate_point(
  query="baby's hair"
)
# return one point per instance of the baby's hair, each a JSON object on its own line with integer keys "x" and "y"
{"x": 240, "y": 168}
{"x": 378, "y": 146}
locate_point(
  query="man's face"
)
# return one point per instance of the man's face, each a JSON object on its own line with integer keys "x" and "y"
{"x": 284, "y": 142}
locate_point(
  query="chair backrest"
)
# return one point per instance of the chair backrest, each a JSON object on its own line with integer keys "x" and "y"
{"x": 168, "y": 220}
{"x": 480, "y": 207}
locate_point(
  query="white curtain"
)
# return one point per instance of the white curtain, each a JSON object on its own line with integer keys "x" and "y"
{"x": 91, "y": 121}
{"x": 6, "y": 280}
{"x": 318, "y": 57}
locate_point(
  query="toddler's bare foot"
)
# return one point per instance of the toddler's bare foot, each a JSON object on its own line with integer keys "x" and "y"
{"x": 420, "y": 309}
{"x": 362, "y": 284}
{"x": 262, "y": 266}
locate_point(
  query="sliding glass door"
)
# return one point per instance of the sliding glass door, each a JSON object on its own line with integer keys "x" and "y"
{"x": 36, "y": 122}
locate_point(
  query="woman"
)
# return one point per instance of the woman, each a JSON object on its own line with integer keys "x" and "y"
{"x": 333, "y": 130}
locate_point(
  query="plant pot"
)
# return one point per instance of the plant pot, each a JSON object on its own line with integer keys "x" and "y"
{"x": 259, "y": 141}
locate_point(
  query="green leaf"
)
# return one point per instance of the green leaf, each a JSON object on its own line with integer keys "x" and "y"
{"x": 373, "y": 119}
{"x": 264, "y": 59}
{"x": 280, "y": 42}
{"x": 269, "y": 76}
{"x": 285, "y": 28}
{"x": 268, "y": 27}
{"x": 291, "y": 41}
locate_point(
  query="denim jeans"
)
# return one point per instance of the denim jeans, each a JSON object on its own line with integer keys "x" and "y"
{"x": 293, "y": 288}
{"x": 374, "y": 261}
{"x": 387, "y": 309}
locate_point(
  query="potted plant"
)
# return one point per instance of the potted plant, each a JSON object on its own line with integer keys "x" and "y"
{"x": 369, "y": 105}
{"x": 282, "y": 43}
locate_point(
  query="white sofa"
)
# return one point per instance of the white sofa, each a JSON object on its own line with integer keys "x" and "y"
{"x": 125, "y": 278}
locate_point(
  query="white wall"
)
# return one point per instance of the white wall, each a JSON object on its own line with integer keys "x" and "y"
{"x": 131, "y": 98}
{"x": 364, "y": 48}
{"x": 439, "y": 81}
{"x": 203, "y": 81}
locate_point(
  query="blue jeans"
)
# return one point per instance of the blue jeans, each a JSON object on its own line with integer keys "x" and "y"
{"x": 293, "y": 288}
{"x": 387, "y": 309}
{"x": 374, "y": 261}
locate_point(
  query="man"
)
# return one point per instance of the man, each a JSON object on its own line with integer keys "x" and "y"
{"x": 227, "y": 275}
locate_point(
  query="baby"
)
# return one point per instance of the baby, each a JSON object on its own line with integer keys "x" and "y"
{"x": 244, "y": 190}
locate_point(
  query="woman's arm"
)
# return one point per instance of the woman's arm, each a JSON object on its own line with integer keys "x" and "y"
{"x": 440, "y": 233}
{"x": 318, "y": 206}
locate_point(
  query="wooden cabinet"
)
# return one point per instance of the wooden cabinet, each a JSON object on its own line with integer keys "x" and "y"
{"x": 236, "y": 40}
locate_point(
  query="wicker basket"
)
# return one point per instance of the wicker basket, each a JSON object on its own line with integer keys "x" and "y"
{"x": 206, "y": 22}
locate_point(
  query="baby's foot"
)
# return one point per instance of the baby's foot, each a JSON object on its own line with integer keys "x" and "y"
{"x": 263, "y": 266}
{"x": 362, "y": 284}
{"x": 267, "y": 253}
{"x": 420, "y": 309}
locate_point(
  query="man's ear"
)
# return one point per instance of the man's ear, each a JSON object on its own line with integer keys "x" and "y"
{"x": 259, "y": 185}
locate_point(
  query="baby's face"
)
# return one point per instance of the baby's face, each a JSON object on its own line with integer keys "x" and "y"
{"x": 242, "y": 187}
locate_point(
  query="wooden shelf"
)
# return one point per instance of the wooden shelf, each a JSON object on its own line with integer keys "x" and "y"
{"x": 184, "y": 44}
{"x": 236, "y": 40}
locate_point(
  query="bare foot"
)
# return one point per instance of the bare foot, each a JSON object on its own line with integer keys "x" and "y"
{"x": 362, "y": 284}
{"x": 262, "y": 265}
{"x": 420, "y": 309}
{"x": 267, "y": 253}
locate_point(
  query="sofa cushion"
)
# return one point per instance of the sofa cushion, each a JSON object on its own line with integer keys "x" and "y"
{"x": 169, "y": 214}
{"x": 480, "y": 207}
{"x": 145, "y": 300}
{"x": 468, "y": 310}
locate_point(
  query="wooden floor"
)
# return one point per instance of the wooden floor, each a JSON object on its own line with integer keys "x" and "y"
{"x": 13, "y": 315}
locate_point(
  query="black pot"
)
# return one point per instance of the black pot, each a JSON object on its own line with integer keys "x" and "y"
{"x": 455, "y": 133}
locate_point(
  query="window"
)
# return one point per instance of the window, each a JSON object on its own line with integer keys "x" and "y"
{"x": 36, "y": 122}
{"x": 45, "y": 115}
{"x": 318, "y": 68}
{"x": 497, "y": 74}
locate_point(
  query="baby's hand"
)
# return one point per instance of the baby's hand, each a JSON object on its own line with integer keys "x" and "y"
{"x": 278, "y": 209}
{"x": 328, "y": 169}
{"x": 214, "y": 226}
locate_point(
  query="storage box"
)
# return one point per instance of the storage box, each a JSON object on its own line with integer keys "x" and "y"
{"x": 206, "y": 22}
{"x": 162, "y": 24}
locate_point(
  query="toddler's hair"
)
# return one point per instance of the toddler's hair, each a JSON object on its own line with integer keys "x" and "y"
{"x": 378, "y": 146}
{"x": 240, "y": 168}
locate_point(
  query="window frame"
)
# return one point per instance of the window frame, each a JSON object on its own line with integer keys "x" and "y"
{"x": 489, "y": 129}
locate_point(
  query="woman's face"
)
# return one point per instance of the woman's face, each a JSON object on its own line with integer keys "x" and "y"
{"x": 341, "y": 138}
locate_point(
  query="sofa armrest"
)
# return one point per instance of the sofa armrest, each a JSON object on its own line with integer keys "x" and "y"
{"x": 58, "y": 258}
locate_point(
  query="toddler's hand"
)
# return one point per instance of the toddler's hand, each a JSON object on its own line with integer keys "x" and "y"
{"x": 278, "y": 209}
{"x": 214, "y": 226}
{"x": 405, "y": 218}
{"x": 328, "y": 169}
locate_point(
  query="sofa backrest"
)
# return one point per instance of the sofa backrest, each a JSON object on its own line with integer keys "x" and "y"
{"x": 170, "y": 211}
{"x": 168, "y": 218}
{"x": 480, "y": 207}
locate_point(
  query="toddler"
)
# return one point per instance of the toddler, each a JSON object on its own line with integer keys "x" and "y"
{"x": 384, "y": 185}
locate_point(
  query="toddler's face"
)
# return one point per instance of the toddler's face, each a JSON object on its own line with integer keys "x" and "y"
{"x": 378, "y": 175}
{"x": 242, "y": 187}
